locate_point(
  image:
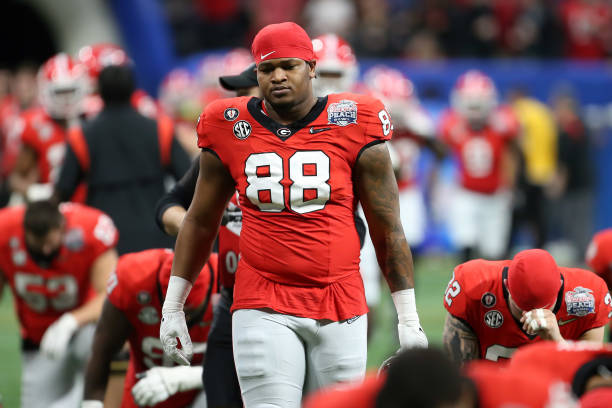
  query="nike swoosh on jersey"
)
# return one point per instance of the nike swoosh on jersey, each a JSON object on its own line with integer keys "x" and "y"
{"x": 313, "y": 130}
{"x": 263, "y": 56}
{"x": 562, "y": 322}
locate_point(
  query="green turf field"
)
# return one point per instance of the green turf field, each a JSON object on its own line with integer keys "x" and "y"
{"x": 432, "y": 275}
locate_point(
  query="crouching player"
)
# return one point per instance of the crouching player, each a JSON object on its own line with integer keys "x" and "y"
{"x": 55, "y": 260}
{"x": 132, "y": 312}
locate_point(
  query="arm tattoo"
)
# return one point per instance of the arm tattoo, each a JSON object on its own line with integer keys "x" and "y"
{"x": 460, "y": 342}
{"x": 377, "y": 190}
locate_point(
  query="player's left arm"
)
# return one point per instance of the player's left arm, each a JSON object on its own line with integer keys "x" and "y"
{"x": 101, "y": 269}
{"x": 378, "y": 194}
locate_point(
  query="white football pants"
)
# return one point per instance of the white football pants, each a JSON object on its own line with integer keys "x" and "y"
{"x": 278, "y": 356}
{"x": 47, "y": 383}
{"x": 481, "y": 221}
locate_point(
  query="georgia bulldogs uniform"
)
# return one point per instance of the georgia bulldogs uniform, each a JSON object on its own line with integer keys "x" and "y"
{"x": 481, "y": 211}
{"x": 229, "y": 243}
{"x": 42, "y": 295}
{"x": 296, "y": 195}
{"x": 48, "y": 139}
{"x": 477, "y": 296}
{"x": 502, "y": 387}
{"x": 137, "y": 289}
{"x": 559, "y": 360}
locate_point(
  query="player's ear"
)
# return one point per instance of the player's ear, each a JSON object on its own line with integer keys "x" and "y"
{"x": 311, "y": 66}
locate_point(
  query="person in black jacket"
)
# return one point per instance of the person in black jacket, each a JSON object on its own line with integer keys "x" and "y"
{"x": 122, "y": 157}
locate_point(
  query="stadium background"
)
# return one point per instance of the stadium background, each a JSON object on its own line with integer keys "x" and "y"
{"x": 161, "y": 34}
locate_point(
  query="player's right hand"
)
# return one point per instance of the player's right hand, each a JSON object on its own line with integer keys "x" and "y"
{"x": 54, "y": 343}
{"x": 173, "y": 325}
{"x": 411, "y": 336}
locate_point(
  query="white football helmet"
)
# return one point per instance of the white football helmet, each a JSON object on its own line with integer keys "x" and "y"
{"x": 336, "y": 68}
{"x": 62, "y": 85}
{"x": 474, "y": 97}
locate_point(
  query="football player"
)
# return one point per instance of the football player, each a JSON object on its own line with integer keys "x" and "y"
{"x": 495, "y": 307}
{"x": 132, "y": 312}
{"x": 599, "y": 255}
{"x": 482, "y": 137}
{"x": 43, "y": 130}
{"x": 56, "y": 261}
{"x": 336, "y": 68}
{"x": 96, "y": 57}
{"x": 297, "y": 162}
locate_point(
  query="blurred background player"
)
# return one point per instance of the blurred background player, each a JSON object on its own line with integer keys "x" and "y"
{"x": 495, "y": 307}
{"x": 337, "y": 68}
{"x": 123, "y": 157}
{"x": 599, "y": 255}
{"x": 95, "y": 58}
{"x": 56, "y": 261}
{"x": 132, "y": 312}
{"x": 43, "y": 130}
{"x": 481, "y": 136}
{"x": 219, "y": 374}
{"x": 179, "y": 97}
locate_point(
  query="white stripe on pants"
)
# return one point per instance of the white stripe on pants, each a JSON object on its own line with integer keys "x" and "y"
{"x": 277, "y": 356}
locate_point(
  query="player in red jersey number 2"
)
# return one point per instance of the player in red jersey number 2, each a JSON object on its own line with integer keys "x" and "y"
{"x": 296, "y": 161}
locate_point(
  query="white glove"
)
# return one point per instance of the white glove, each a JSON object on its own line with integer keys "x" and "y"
{"x": 55, "y": 341}
{"x": 409, "y": 330}
{"x": 173, "y": 322}
{"x": 92, "y": 404}
{"x": 160, "y": 383}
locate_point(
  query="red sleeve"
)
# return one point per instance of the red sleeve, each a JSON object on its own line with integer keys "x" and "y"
{"x": 376, "y": 121}
{"x": 506, "y": 123}
{"x": 457, "y": 299}
{"x": 117, "y": 289}
{"x": 102, "y": 234}
{"x": 28, "y": 135}
{"x": 444, "y": 130}
{"x": 603, "y": 305}
{"x": 596, "y": 255}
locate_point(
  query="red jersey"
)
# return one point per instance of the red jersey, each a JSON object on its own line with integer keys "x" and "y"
{"x": 137, "y": 288}
{"x": 502, "y": 387}
{"x": 229, "y": 243}
{"x": 299, "y": 246}
{"x": 558, "y": 360}
{"x": 599, "y": 255}
{"x": 477, "y": 296}
{"x": 479, "y": 152}
{"x": 348, "y": 395}
{"x": 48, "y": 139}
{"x": 42, "y": 295}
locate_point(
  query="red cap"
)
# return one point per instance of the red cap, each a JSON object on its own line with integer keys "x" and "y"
{"x": 284, "y": 40}
{"x": 533, "y": 279}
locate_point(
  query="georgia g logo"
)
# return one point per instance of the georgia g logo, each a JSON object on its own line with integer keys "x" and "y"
{"x": 242, "y": 129}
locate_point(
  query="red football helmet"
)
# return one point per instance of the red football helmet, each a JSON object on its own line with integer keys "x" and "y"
{"x": 337, "y": 68}
{"x": 62, "y": 86}
{"x": 474, "y": 97}
{"x": 97, "y": 56}
{"x": 179, "y": 95}
{"x": 236, "y": 61}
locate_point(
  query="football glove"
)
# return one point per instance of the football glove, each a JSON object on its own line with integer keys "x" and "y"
{"x": 160, "y": 383}
{"x": 54, "y": 343}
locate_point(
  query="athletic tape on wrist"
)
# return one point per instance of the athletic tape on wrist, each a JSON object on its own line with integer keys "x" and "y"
{"x": 405, "y": 305}
{"x": 178, "y": 290}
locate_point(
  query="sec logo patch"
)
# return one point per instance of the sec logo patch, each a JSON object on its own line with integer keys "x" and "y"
{"x": 242, "y": 129}
{"x": 231, "y": 114}
{"x": 494, "y": 319}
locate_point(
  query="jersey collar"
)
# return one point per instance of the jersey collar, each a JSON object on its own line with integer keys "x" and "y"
{"x": 517, "y": 321}
{"x": 284, "y": 132}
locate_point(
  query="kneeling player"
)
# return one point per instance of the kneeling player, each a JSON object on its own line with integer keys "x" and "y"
{"x": 494, "y": 307}
{"x": 56, "y": 260}
{"x": 133, "y": 312}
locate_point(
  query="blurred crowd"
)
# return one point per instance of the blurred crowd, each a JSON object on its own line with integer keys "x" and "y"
{"x": 549, "y": 174}
{"x": 424, "y": 30}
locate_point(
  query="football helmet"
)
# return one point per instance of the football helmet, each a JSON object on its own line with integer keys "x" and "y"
{"x": 474, "y": 97}
{"x": 395, "y": 91}
{"x": 336, "y": 68}
{"x": 179, "y": 95}
{"x": 62, "y": 86}
{"x": 97, "y": 56}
